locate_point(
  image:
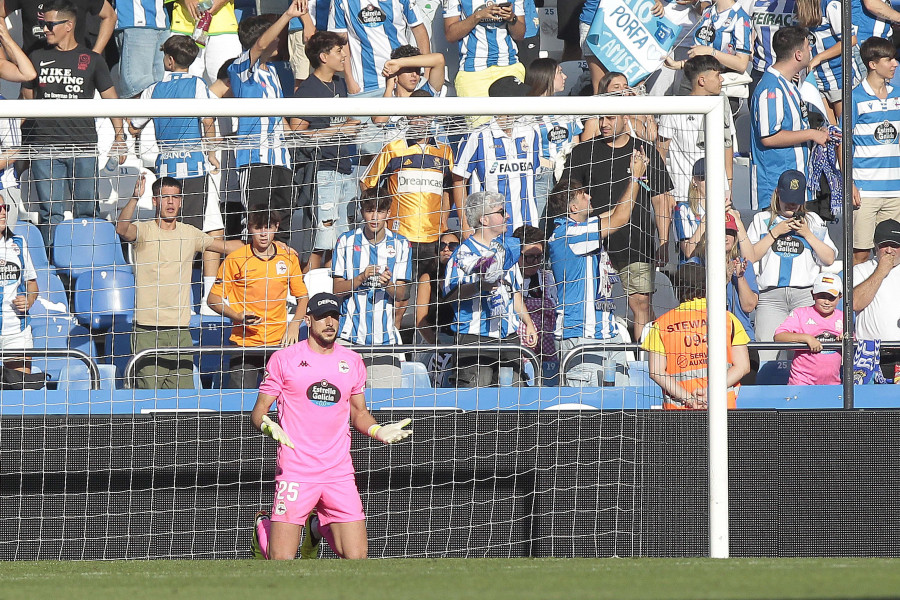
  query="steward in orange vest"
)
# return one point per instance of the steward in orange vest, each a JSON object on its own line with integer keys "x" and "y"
{"x": 677, "y": 346}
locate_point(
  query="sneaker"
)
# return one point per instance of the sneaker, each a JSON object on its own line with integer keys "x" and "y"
{"x": 260, "y": 527}
{"x": 310, "y": 546}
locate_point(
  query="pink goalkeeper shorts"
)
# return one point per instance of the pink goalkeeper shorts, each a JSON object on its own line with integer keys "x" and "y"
{"x": 337, "y": 502}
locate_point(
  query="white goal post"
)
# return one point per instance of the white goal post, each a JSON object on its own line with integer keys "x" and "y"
{"x": 713, "y": 109}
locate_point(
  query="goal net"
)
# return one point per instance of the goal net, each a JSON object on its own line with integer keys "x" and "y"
{"x": 496, "y": 273}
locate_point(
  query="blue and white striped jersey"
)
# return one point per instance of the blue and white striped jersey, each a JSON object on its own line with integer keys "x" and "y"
{"x": 789, "y": 262}
{"x": 179, "y": 138}
{"x": 557, "y": 133}
{"x": 261, "y": 138}
{"x": 775, "y": 106}
{"x": 15, "y": 269}
{"x": 319, "y": 13}
{"x": 373, "y": 29}
{"x": 828, "y": 74}
{"x": 876, "y": 142}
{"x": 474, "y": 315}
{"x": 368, "y": 315}
{"x": 727, "y": 31}
{"x": 148, "y": 14}
{"x": 867, "y": 24}
{"x": 493, "y": 161}
{"x": 583, "y": 276}
{"x": 767, "y": 17}
{"x": 686, "y": 223}
{"x": 489, "y": 44}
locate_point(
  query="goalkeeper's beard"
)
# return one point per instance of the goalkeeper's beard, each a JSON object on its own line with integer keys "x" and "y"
{"x": 324, "y": 338}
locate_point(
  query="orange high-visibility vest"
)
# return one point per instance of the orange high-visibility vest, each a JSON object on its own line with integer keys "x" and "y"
{"x": 683, "y": 334}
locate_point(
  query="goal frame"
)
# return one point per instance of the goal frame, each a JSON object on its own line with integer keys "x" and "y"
{"x": 712, "y": 108}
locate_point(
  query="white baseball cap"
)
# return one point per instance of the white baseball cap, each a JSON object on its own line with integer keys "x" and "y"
{"x": 828, "y": 283}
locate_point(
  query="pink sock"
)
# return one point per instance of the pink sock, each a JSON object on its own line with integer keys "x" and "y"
{"x": 325, "y": 531}
{"x": 262, "y": 534}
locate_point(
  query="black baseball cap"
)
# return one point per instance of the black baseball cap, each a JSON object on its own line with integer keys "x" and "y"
{"x": 699, "y": 170}
{"x": 508, "y": 87}
{"x": 792, "y": 187}
{"x": 887, "y": 231}
{"x": 323, "y": 304}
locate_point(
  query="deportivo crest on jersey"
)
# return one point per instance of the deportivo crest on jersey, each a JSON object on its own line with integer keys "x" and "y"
{"x": 343, "y": 367}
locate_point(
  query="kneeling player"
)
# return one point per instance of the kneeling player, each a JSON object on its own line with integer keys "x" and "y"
{"x": 318, "y": 387}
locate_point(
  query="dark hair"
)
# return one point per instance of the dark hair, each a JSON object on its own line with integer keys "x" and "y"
{"x": 561, "y": 196}
{"x": 249, "y": 30}
{"x": 158, "y": 185}
{"x": 182, "y": 49}
{"x": 606, "y": 80}
{"x": 320, "y": 43}
{"x": 694, "y": 67}
{"x": 528, "y": 235}
{"x": 222, "y": 74}
{"x": 540, "y": 76}
{"x": 874, "y": 49}
{"x": 420, "y": 93}
{"x": 690, "y": 282}
{"x": 405, "y": 51}
{"x": 788, "y": 40}
{"x": 371, "y": 200}
{"x": 63, "y": 8}
{"x": 261, "y": 215}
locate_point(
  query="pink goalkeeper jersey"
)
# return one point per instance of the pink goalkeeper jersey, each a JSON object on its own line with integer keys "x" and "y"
{"x": 807, "y": 368}
{"x": 313, "y": 392}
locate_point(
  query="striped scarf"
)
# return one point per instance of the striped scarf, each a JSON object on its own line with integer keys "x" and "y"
{"x": 823, "y": 160}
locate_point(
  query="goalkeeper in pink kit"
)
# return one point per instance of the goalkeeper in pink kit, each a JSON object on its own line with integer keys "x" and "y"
{"x": 318, "y": 387}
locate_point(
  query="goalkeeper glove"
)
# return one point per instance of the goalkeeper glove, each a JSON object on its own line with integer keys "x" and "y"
{"x": 274, "y": 431}
{"x": 392, "y": 432}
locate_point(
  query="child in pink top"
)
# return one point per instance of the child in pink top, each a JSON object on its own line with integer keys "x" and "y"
{"x": 813, "y": 325}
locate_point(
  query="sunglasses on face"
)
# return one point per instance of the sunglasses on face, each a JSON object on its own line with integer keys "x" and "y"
{"x": 449, "y": 245}
{"x": 502, "y": 211}
{"x": 4, "y": 207}
{"x": 52, "y": 24}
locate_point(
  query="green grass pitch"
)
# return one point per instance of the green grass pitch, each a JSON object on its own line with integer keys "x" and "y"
{"x": 447, "y": 579}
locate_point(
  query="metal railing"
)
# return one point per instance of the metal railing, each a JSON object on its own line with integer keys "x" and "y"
{"x": 93, "y": 369}
{"x": 457, "y": 349}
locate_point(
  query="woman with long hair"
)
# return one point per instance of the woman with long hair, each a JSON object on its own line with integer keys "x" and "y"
{"x": 823, "y": 19}
{"x": 642, "y": 126}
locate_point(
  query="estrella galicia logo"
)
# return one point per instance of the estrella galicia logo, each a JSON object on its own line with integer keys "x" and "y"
{"x": 663, "y": 33}
{"x": 372, "y": 16}
{"x": 323, "y": 393}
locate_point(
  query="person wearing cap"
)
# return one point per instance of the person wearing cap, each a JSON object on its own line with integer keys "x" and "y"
{"x": 689, "y": 218}
{"x": 252, "y": 289}
{"x": 875, "y": 108}
{"x": 791, "y": 245}
{"x": 677, "y": 343}
{"x": 813, "y": 325}
{"x": 781, "y": 134}
{"x": 486, "y": 32}
{"x": 681, "y": 137}
{"x": 317, "y": 386}
{"x": 502, "y": 156}
{"x": 603, "y": 165}
{"x": 876, "y": 293}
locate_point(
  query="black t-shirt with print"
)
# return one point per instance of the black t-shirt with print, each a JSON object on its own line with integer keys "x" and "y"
{"x": 334, "y": 157}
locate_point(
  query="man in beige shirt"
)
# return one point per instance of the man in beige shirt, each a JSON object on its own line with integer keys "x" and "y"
{"x": 164, "y": 252}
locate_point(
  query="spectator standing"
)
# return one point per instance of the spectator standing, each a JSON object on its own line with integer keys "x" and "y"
{"x": 584, "y": 278}
{"x": 18, "y": 282}
{"x": 403, "y": 74}
{"x": 141, "y": 29}
{"x": 603, "y": 165}
{"x": 679, "y": 355}
{"x": 34, "y": 15}
{"x": 876, "y": 145}
{"x": 723, "y": 32}
{"x": 164, "y": 251}
{"x": 823, "y": 19}
{"x": 790, "y": 244}
{"x": 539, "y": 295}
{"x": 262, "y": 159}
{"x": 66, "y": 69}
{"x": 502, "y": 156}
{"x": 813, "y": 325}
{"x": 433, "y": 318}
{"x": 486, "y": 289}
{"x": 181, "y": 141}
{"x": 876, "y": 291}
{"x": 780, "y": 122}
{"x": 767, "y": 18}
{"x": 218, "y": 42}
{"x": 486, "y": 34}
{"x": 643, "y": 127}
{"x": 373, "y": 30}
{"x": 252, "y": 290}
{"x": 336, "y": 183}
{"x": 873, "y": 18}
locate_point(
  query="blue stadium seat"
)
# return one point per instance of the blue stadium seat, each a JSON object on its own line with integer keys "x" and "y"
{"x": 35, "y": 243}
{"x": 52, "y": 298}
{"x": 80, "y": 245}
{"x": 773, "y": 372}
{"x": 61, "y": 331}
{"x": 211, "y": 330}
{"x": 100, "y": 294}
{"x": 414, "y": 375}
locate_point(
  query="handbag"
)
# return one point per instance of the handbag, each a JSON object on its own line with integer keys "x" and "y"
{"x": 736, "y": 85}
